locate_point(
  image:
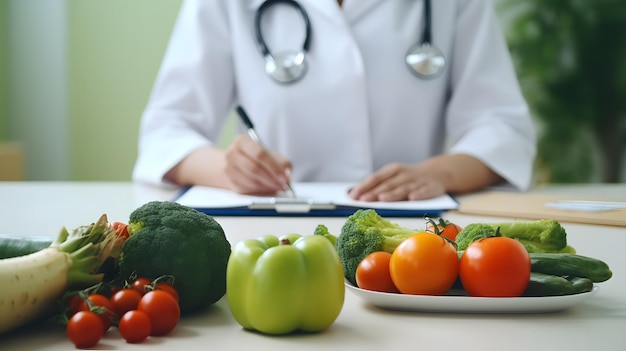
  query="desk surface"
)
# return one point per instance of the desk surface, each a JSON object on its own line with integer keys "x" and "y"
{"x": 42, "y": 208}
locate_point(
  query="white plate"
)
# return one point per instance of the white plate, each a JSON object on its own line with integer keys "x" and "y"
{"x": 466, "y": 304}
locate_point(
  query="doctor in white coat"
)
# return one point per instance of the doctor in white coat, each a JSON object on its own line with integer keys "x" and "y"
{"x": 357, "y": 114}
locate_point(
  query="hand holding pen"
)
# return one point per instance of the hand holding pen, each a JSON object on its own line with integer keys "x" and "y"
{"x": 270, "y": 166}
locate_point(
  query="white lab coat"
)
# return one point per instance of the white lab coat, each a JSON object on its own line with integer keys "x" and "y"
{"x": 358, "y": 108}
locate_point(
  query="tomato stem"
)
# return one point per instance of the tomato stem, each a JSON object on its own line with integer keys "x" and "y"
{"x": 438, "y": 231}
{"x": 498, "y": 233}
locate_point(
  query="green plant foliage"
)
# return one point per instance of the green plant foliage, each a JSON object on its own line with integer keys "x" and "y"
{"x": 570, "y": 56}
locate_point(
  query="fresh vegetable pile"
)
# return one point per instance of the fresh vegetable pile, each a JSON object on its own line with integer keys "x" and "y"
{"x": 508, "y": 259}
{"x": 173, "y": 249}
{"x": 140, "y": 278}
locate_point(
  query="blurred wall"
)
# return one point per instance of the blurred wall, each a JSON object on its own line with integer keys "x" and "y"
{"x": 36, "y": 83}
{"x": 115, "y": 49}
{"x": 77, "y": 74}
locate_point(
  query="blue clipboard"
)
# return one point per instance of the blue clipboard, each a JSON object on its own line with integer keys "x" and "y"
{"x": 303, "y": 207}
{"x": 337, "y": 212}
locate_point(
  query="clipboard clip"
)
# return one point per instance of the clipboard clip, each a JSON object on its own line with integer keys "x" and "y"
{"x": 290, "y": 205}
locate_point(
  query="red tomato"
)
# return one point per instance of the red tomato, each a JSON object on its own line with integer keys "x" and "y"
{"x": 373, "y": 273}
{"x": 495, "y": 267}
{"x": 110, "y": 290}
{"x": 102, "y": 306}
{"x": 163, "y": 310}
{"x": 74, "y": 303}
{"x": 167, "y": 287}
{"x": 125, "y": 300}
{"x": 424, "y": 264}
{"x": 445, "y": 228}
{"x": 85, "y": 329}
{"x": 121, "y": 229}
{"x": 135, "y": 326}
{"x": 142, "y": 285}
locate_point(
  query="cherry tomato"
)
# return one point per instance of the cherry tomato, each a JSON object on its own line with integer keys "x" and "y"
{"x": 74, "y": 303}
{"x": 121, "y": 229}
{"x": 424, "y": 264}
{"x": 163, "y": 310}
{"x": 373, "y": 273}
{"x": 110, "y": 290}
{"x": 445, "y": 228}
{"x": 135, "y": 326}
{"x": 125, "y": 300}
{"x": 167, "y": 287}
{"x": 142, "y": 285}
{"x": 102, "y": 307}
{"x": 85, "y": 329}
{"x": 495, "y": 267}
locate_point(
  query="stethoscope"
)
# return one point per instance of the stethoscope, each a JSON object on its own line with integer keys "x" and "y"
{"x": 423, "y": 59}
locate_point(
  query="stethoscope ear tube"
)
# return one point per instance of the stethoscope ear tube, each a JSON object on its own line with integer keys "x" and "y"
{"x": 284, "y": 67}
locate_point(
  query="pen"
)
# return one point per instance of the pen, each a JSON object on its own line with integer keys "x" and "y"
{"x": 255, "y": 137}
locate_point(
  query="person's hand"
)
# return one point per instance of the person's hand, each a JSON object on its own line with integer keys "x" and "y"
{"x": 398, "y": 182}
{"x": 251, "y": 169}
{"x": 450, "y": 173}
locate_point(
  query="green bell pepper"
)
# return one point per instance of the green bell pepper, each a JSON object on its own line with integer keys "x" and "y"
{"x": 281, "y": 285}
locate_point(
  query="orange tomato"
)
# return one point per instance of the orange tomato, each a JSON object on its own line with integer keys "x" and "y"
{"x": 424, "y": 264}
{"x": 495, "y": 267}
{"x": 373, "y": 273}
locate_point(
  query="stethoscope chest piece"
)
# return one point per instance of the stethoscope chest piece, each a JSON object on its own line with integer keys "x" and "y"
{"x": 286, "y": 67}
{"x": 425, "y": 61}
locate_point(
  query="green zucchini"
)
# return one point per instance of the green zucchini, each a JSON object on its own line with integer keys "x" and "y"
{"x": 541, "y": 284}
{"x": 573, "y": 265}
{"x": 12, "y": 246}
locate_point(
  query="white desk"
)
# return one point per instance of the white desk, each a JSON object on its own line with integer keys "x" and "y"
{"x": 42, "y": 208}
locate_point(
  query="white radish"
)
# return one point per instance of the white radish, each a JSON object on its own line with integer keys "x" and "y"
{"x": 31, "y": 285}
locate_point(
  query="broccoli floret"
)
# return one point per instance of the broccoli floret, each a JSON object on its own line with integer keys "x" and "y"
{"x": 537, "y": 236}
{"x": 364, "y": 232}
{"x": 323, "y": 231}
{"x": 473, "y": 232}
{"x": 167, "y": 238}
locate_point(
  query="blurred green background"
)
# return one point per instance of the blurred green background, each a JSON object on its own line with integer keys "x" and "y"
{"x": 75, "y": 76}
{"x": 571, "y": 60}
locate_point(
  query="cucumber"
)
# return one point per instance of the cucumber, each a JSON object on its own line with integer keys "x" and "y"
{"x": 581, "y": 284}
{"x": 573, "y": 265}
{"x": 12, "y": 246}
{"x": 541, "y": 284}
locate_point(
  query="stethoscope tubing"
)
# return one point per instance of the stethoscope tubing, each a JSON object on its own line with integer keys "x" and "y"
{"x": 423, "y": 59}
{"x": 257, "y": 24}
{"x": 427, "y": 34}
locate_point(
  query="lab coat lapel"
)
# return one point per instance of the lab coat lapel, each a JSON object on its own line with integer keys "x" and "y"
{"x": 352, "y": 9}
